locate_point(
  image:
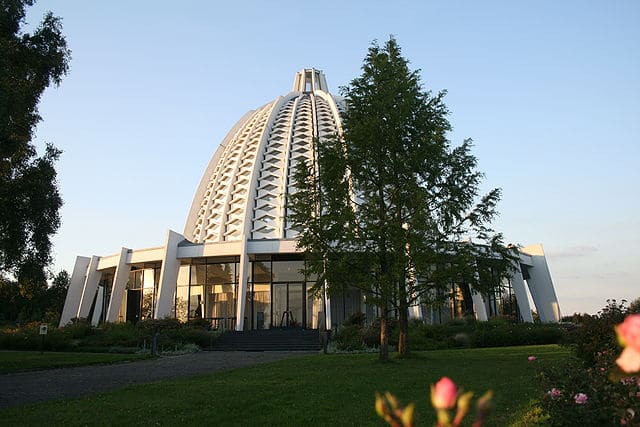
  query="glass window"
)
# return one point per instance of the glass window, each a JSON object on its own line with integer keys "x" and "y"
{"x": 315, "y": 311}
{"x": 261, "y": 305}
{"x": 135, "y": 279}
{"x": 220, "y": 301}
{"x": 198, "y": 274}
{"x": 288, "y": 271}
{"x": 196, "y": 302}
{"x": 261, "y": 271}
{"x": 147, "y": 303}
{"x": 221, "y": 273}
{"x": 182, "y": 297}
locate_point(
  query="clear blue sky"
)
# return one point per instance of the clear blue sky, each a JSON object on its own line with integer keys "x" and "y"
{"x": 549, "y": 91}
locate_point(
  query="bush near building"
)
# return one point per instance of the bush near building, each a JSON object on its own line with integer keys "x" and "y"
{"x": 611, "y": 397}
{"x": 109, "y": 337}
{"x": 496, "y": 332}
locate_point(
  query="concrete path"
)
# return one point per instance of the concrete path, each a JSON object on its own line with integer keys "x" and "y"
{"x": 37, "y": 386}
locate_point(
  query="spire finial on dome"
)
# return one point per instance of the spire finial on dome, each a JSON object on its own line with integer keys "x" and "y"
{"x": 308, "y": 80}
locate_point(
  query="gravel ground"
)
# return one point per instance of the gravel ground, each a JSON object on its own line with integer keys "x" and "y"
{"x": 31, "y": 387}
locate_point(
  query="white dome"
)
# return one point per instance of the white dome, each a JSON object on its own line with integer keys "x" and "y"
{"x": 243, "y": 192}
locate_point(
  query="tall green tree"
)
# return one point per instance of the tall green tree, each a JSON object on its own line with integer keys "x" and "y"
{"x": 29, "y": 196}
{"x": 389, "y": 206}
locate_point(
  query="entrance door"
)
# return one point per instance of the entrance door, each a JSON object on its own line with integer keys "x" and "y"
{"x": 288, "y": 305}
{"x": 133, "y": 305}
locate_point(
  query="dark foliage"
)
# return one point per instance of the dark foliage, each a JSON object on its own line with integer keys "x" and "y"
{"x": 29, "y": 196}
{"x": 79, "y": 335}
{"x": 455, "y": 334}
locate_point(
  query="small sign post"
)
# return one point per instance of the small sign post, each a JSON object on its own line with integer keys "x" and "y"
{"x": 43, "y": 331}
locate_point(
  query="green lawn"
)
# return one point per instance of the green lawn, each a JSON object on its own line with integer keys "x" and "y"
{"x": 18, "y": 361}
{"x": 308, "y": 390}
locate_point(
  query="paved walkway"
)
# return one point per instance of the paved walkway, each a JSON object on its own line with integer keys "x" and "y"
{"x": 31, "y": 387}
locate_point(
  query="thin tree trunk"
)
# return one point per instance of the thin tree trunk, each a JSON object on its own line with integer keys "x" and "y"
{"x": 384, "y": 335}
{"x": 403, "y": 339}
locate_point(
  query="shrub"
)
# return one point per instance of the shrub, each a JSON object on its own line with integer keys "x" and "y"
{"x": 78, "y": 328}
{"x": 611, "y": 396}
{"x": 596, "y": 333}
{"x": 349, "y": 338}
{"x": 356, "y": 319}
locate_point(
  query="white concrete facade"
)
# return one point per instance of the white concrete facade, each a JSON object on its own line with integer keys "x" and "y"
{"x": 240, "y": 210}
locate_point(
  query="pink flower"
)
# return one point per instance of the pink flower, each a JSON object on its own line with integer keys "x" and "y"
{"x": 554, "y": 393}
{"x": 629, "y": 332}
{"x": 444, "y": 394}
{"x": 580, "y": 398}
{"x": 629, "y": 360}
{"x": 532, "y": 358}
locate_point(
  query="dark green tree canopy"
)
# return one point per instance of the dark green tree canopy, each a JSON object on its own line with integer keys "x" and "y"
{"x": 29, "y": 196}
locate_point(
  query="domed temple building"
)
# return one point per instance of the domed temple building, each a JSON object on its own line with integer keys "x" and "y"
{"x": 236, "y": 263}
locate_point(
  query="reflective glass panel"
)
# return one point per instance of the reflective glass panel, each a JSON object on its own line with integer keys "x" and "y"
{"x": 261, "y": 271}
{"x": 288, "y": 271}
{"x": 261, "y": 305}
{"x": 295, "y": 304}
{"x": 198, "y": 274}
{"x": 220, "y": 273}
{"x": 182, "y": 298}
{"x": 196, "y": 302}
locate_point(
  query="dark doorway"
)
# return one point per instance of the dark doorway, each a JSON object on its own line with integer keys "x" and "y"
{"x": 134, "y": 297}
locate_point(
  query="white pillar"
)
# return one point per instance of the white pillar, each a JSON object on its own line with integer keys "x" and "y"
{"x": 517, "y": 282}
{"x": 479, "y": 306}
{"x": 168, "y": 275}
{"x": 327, "y": 304}
{"x": 243, "y": 282}
{"x": 74, "y": 294}
{"x": 120, "y": 279}
{"x": 97, "y": 310}
{"x": 541, "y": 285}
{"x": 90, "y": 287}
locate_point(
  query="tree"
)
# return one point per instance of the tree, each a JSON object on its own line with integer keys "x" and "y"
{"x": 29, "y": 196}
{"x": 389, "y": 206}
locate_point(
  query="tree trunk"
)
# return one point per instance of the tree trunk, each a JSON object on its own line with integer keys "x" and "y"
{"x": 403, "y": 339}
{"x": 384, "y": 335}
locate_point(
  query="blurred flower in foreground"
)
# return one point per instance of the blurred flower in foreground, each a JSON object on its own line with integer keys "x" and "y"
{"x": 532, "y": 358}
{"x": 388, "y": 408}
{"x": 629, "y": 337}
{"x": 580, "y": 398}
{"x": 444, "y": 394}
{"x": 554, "y": 393}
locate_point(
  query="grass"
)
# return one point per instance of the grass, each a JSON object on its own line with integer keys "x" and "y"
{"x": 18, "y": 361}
{"x": 336, "y": 389}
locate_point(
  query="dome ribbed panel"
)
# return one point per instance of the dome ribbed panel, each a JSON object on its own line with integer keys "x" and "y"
{"x": 301, "y": 149}
{"x": 221, "y": 213}
{"x": 269, "y": 203}
{"x": 243, "y": 193}
{"x": 327, "y": 127}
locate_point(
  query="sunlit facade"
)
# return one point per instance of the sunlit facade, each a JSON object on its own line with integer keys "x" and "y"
{"x": 236, "y": 264}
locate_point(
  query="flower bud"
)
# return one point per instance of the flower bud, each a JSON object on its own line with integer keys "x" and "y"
{"x": 444, "y": 394}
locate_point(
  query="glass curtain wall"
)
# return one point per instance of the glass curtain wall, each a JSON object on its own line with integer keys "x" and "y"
{"x": 279, "y": 294}
{"x": 207, "y": 290}
{"x": 139, "y": 299}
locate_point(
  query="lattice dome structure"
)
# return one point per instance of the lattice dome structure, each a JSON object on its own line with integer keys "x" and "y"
{"x": 245, "y": 188}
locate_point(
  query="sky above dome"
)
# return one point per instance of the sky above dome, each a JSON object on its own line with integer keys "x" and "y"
{"x": 549, "y": 91}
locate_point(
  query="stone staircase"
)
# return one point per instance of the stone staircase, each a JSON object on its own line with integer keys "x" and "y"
{"x": 277, "y": 339}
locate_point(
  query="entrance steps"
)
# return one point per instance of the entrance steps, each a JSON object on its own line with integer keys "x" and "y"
{"x": 277, "y": 339}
